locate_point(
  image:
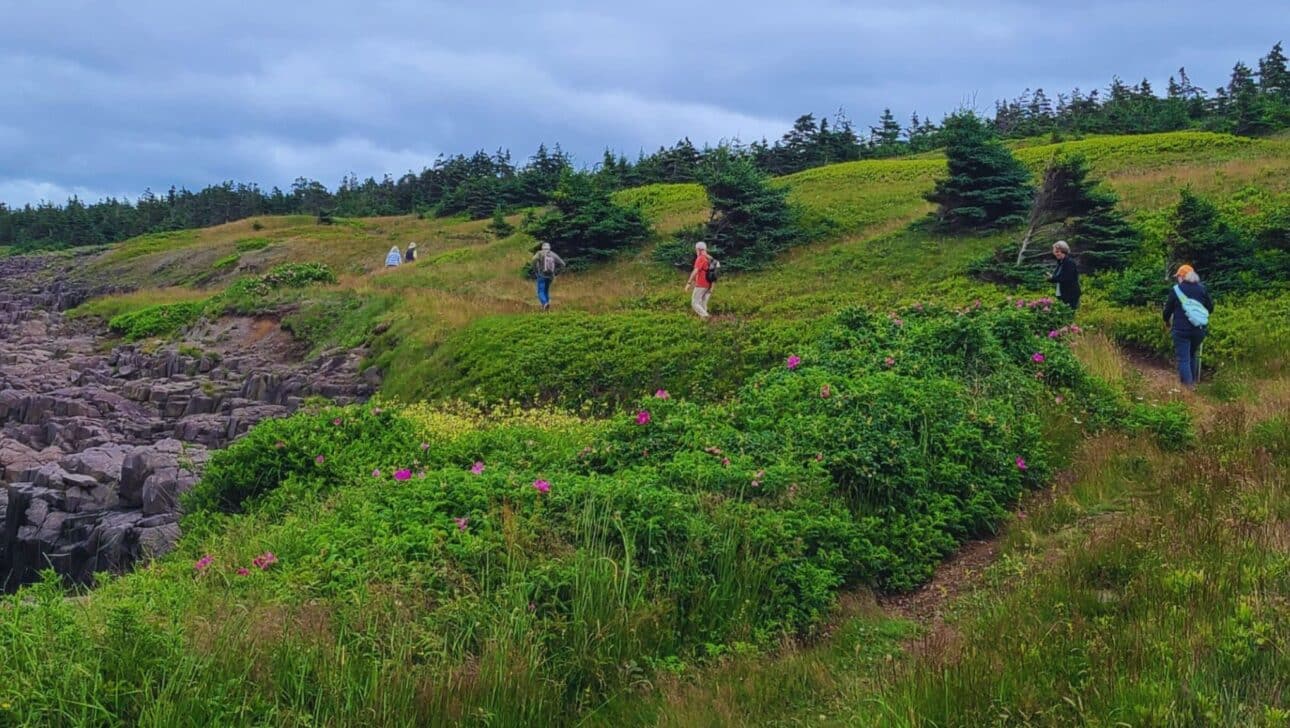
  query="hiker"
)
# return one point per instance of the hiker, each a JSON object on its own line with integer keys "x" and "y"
{"x": 393, "y": 258}
{"x": 701, "y": 279}
{"x": 1189, "y": 306}
{"x": 1065, "y": 275}
{"x": 411, "y": 255}
{"x": 545, "y": 265}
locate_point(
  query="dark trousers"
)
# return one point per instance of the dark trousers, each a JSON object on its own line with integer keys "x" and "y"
{"x": 1187, "y": 348}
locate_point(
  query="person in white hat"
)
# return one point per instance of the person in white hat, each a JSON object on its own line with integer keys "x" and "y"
{"x": 701, "y": 279}
{"x": 411, "y": 255}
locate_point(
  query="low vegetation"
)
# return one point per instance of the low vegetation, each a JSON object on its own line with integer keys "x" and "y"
{"x": 612, "y": 514}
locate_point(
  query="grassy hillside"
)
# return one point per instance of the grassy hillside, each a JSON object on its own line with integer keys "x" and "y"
{"x": 639, "y": 519}
{"x": 465, "y": 275}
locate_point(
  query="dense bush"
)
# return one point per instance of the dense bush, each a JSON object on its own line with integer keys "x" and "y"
{"x": 255, "y": 295}
{"x": 160, "y": 320}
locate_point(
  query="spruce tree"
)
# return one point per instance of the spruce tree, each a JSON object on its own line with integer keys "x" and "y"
{"x": 751, "y": 221}
{"x": 987, "y": 188}
{"x": 1201, "y": 238}
{"x": 1068, "y": 205}
{"x": 499, "y": 227}
{"x": 584, "y": 225}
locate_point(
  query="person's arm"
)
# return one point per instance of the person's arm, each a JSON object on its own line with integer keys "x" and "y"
{"x": 1057, "y": 272}
{"x": 559, "y": 261}
{"x": 1208, "y": 300}
{"x": 1171, "y": 305}
{"x": 694, "y": 274}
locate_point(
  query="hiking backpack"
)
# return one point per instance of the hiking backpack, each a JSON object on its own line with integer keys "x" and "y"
{"x": 714, "y": 270}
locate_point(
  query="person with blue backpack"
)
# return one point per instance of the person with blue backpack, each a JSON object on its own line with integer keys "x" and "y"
{"x": 1187, "y": 313}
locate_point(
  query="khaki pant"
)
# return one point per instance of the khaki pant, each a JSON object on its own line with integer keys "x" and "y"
{"x": 699, "y": 301}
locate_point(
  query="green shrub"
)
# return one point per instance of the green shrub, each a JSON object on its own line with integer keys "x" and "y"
{"x": 227, "y": 261}
{"x": 160, "y": 320}
{"x": 248, "y": 245}
{"x": 1169, "y": 423}
{"x": 255, "y": 295}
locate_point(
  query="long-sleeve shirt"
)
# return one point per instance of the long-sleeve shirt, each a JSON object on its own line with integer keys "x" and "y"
{"x": 1066, "y": 276}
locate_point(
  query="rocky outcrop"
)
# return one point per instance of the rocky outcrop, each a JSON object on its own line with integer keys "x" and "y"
{"x": 96, "y": 447}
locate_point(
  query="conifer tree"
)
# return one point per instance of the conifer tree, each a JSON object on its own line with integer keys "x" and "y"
{"x": 987, "y": 188}
{"x": 499, "y": 227}
{"x": 751, "y": 221}
{"x": 584, "y": 225}
{"x": 1202, "y": 239}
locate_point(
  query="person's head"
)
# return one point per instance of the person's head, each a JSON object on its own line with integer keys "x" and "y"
{"x": 1186, "y": 274}
{"x": 1061, "y": 249}
{"x": 700, "y": 247}
{"x": 546, "y": 246}
{"x": 412, "y": 246}
{"x": 394, "y": 250}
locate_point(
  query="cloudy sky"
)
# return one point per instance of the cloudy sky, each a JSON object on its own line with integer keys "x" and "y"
{"x": 108, "y": 98}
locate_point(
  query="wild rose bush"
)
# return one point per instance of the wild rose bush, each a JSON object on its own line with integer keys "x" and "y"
{"x": 872, "y": 483}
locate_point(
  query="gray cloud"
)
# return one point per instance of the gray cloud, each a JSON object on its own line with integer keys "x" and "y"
{"x": 106, "y": 98}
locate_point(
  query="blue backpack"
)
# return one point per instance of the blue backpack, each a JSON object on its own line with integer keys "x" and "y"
{"x": 1195, "y": 311}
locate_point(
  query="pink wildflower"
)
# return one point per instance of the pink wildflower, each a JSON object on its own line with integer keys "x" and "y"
{"x": 1021, "y": 463}
{"x": 819, "y": 457}
{"x": 376, "y": 472}
{"x": 462, "y": 522}
{"x": 1053, "y": 334}
{"x": 377, "y": 410}
{"x": 541, "y": 486}
{"x": 898, "y": 321}
{"x": 243, "y": 571}
{"x": 319, "y": 460}
{"x": 1075, "y": 329}
{"x": 794, "y": 361}
{"x": 203, "y": 563}
{"x": 825, "y": 391}
{"x": 279, "y": 444}
{"x": 336, "y": 421}
{"x": 403, "y": 474}
{"x": 918, "y": 306}
{"x": 642, "y": 417}
{"x": 662, "y": 394}
{"x": 1059, "y": 399}
{"x": 976, "y": 303}
{"x": 478, "y": 467}
{"x": 1037, "y": 357}
{"x": 725, "y": 462}
{"x": 264, "y": 560}
{"x": 1020, "y": 303}
{"x": 889, "y": 361}
{"x": 425, "y": 446}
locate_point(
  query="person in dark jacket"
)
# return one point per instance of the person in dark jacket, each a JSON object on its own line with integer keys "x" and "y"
{"x": 1065, "y": 275}
{"x": 1186, "y": 335}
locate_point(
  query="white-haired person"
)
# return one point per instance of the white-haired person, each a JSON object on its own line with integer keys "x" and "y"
{"x": 1065, "y": 275}
{"x": 545, "y": 266}
{"x": 1187, "y": 313}
{"x": 393, "y": 258}
{"x": 701, "y": 279}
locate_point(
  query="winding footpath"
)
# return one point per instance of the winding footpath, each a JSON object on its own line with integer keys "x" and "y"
{"x": 97, "y": 444}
